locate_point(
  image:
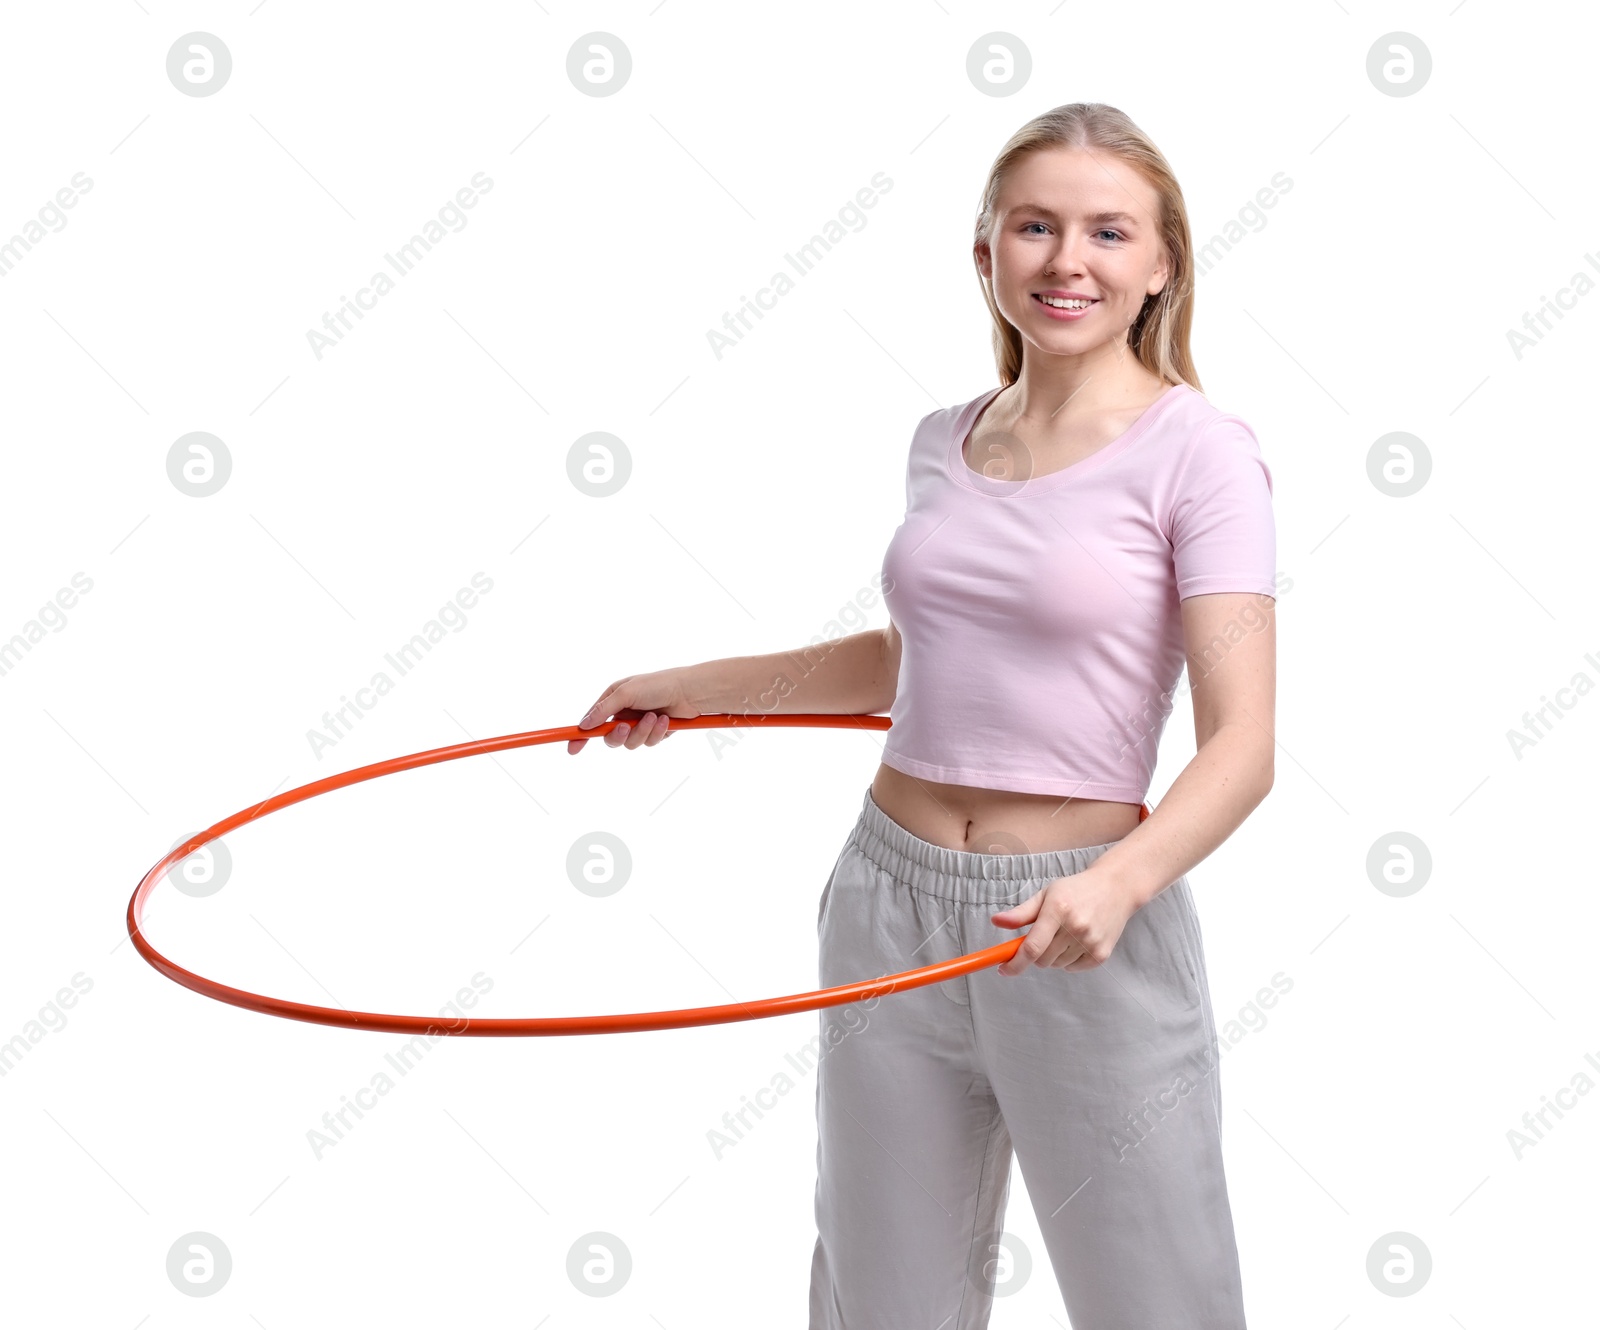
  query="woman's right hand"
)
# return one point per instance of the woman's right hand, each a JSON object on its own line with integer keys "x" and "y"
{"x": 659, "y": 695}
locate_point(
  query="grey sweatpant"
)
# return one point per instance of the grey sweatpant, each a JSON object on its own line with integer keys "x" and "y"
{"x": 1104, "y": 1081}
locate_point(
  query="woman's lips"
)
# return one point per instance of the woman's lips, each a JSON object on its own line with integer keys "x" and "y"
{"x": 1065, "y": 315}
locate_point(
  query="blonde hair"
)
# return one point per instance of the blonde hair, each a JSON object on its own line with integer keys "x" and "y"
{"x": 1159, "y": 335}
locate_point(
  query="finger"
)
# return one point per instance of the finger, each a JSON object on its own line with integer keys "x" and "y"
{"x": 639, "y": 731}
{"x": 1021, "y": 913}
{"x": 1061, "y": 943}
{"x": 1018, "y": 963}
{"x": 586, "y": 723}
{"x": 1063, "y": 951}
{"x": 624, "y": 733}
{"x": 659, "y": 730}
{"x": 602, "y": 709}
{"x": 1033, "y": 946}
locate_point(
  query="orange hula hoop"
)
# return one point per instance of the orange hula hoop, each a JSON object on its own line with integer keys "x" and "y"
{"x": 535, "y": 1025}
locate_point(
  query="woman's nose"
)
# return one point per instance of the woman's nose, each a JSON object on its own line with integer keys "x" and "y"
{"x": 1066, "y": 258}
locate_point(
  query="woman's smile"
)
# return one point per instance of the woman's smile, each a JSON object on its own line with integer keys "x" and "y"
{"x": 1067, "y": 309}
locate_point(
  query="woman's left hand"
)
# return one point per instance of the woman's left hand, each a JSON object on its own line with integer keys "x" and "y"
{"x": 1076, "y": 922}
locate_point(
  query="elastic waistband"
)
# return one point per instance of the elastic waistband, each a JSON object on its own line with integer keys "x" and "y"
{"x": 960, "y": 875}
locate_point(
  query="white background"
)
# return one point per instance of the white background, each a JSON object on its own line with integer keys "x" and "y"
{"x": 432, "y": 443}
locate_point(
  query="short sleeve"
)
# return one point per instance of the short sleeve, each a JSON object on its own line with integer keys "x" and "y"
{"x": 1221, "y": 526}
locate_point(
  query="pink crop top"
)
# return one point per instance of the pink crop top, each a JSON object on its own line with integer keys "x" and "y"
{"x": 1039, "y": 622}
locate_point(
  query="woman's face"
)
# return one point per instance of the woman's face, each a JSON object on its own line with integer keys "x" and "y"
{"x": 1071, "y": 221}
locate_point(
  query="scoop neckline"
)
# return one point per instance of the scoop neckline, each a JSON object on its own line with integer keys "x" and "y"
{"x": 956, "y": 463}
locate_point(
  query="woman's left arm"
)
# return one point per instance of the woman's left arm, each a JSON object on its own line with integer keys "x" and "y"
{"x": 1230, "y": 639}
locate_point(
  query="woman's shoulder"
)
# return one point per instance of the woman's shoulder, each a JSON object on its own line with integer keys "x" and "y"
{"x": 1208, "y": 450}
{"x": 1194, "y": 415}
{"x": 947, "y": 416}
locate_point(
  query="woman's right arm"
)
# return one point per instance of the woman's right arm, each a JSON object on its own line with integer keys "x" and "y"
{"x": 854, "y": 675}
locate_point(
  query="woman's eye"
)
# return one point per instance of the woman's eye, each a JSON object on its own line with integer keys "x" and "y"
{"x": 1027, "y": 228}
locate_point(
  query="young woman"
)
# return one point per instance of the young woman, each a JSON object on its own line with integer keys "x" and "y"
{"x": 1071, "y": 539}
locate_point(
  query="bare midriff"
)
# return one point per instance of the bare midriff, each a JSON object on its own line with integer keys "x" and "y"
{"x": 982, "y": 821}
